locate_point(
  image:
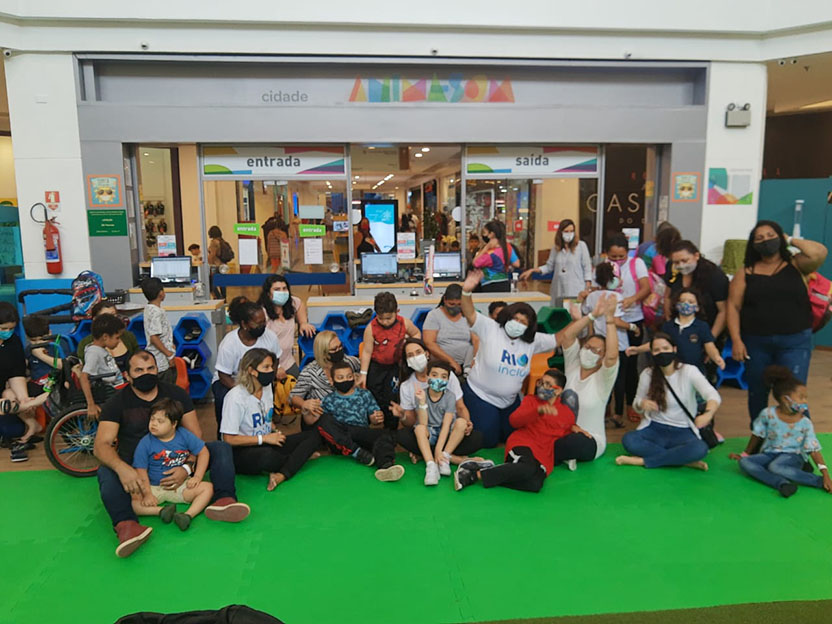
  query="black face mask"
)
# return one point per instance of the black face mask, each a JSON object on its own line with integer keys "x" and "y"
{"x": 265, "y": 379}
{"x": 768, "y": 247}
{"x": 453, "y": 310}
{"x": 337, "y": 355}
{"x": 146, "y": 382}
{"x": 256, "y": 332}
{"x": 344, "y": 386}
{"x": 665, "y": 358}
{"x": 485, "y": 239}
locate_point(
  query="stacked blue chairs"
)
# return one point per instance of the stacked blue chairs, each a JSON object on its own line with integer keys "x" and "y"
{"x": 734, "y": 371}
{"x": 189, "y": 337}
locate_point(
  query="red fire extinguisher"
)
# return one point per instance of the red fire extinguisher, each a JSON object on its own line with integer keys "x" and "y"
{"x": 52, "y": 242}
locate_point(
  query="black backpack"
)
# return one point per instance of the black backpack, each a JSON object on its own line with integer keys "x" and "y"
{"x": 226, "y": 254}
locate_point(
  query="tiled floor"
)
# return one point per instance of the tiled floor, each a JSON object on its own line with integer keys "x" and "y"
{"x": 732, "y": 418}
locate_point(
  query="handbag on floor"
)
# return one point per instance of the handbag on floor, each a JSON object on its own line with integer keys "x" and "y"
{"x": 707, "y": 432}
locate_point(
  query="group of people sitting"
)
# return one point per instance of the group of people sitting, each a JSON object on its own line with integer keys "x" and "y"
{"x": 453, "y": 388}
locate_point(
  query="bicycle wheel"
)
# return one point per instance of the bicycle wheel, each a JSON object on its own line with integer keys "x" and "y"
{"x": 69, "y": 442}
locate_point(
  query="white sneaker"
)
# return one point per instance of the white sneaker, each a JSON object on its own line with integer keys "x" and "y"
{"x": 445, "y": 469}
{"x": 431, "y": 474}
{"x": 393, "y": 473}
{"x": 572, "y": 464}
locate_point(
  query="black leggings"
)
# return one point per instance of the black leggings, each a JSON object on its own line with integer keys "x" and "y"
{"x": 286, "y": 459}
{"x": 520, "y": 472}
{"x": 346, "y": 439}
{"x": 575, "y": 446}
{"x": 470, "y": 444}
{"x": 382, "y": 379}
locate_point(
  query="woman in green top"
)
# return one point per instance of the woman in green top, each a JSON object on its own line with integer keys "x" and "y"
{"x": 128, "y": 345}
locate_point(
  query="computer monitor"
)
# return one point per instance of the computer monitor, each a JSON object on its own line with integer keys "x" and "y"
{"x": 447, "y": 265}
{"x": 379, "y": 264}
{"x": 171, "y": 269}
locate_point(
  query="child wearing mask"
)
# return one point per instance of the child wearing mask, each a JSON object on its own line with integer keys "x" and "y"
{"x": 438, "y": 430}
{"x": 348, "y": 415}
{"x": 781, "y": 438}
{"x": 383, "y": 341}
{"x": 539, "y": 422}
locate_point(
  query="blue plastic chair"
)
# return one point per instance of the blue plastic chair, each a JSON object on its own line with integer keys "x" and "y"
{"x": 734, "y": 371}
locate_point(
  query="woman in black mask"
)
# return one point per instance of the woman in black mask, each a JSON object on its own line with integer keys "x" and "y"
{"x": 769, "y": 314}
{"x": 251, "y": 333}
{"x": 668, "y": 434}
{"x": 258, "y": 445}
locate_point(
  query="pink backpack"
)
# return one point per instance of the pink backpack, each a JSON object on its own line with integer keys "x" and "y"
{"x": 652, "y": 307}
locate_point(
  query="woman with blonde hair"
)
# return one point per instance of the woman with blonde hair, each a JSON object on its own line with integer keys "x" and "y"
{"x": 315, "y": 380}
{"x": 257, "y": 444}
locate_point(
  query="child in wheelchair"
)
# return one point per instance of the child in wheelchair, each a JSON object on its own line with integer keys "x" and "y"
{"x": 168, "y": 446}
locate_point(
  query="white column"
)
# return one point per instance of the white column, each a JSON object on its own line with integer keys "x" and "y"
{"x": 43, "y": 113}
{"x": 740, "y": 150}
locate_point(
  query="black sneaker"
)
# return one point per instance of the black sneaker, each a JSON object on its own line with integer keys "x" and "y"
{"x": 19, "y": 453}
{"x": 5, "y": 443}
{"x": 183, "y": 521}
{"x": 787, "y": 489}
{"x": 464, "y": 477}
{"x": 474, "y": 466}
{"x": 167, "y": 513}
{"x": 365, "y": 458}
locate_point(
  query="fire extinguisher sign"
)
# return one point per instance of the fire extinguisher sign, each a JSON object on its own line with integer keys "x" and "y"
{"x": 52, "y": 199}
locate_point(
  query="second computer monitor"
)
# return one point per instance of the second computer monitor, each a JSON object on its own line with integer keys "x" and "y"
{"x": 379, "y": 265}
{"x": 447, "y": 265}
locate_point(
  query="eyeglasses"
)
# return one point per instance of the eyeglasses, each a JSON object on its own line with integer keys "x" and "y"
{"x": 546, "y": 384}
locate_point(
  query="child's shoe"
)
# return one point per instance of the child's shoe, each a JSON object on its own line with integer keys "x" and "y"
{"x": 363, "y": 457}
{"x": 19, "y": 453}
{"x": 445, "y": 468}
{"x": 431, "y": 474}
{"x": 183, "y": 521}
{"x": 390, "y": 473}
{"x": 572, "y": 464}
{"x": 464, "y": 477}
{"x": 167, "y": 513}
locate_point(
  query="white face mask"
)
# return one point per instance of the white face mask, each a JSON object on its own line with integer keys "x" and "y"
{"x": 568, "y": 237}
{"x": 515, "y": 329}
{"x": 686, "y": 269}
{"x": 589, "y": 359}
{"x": 418, "y": 362}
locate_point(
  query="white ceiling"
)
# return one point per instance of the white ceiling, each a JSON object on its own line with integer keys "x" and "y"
{"x": 800, "y": 84}
{"x": 374, "y": 163}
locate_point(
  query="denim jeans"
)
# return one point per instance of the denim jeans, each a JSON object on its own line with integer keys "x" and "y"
{"x": 790, "y": 350}
{"x": 775, "y": 469}
{"x": 118, "y": 504}
{"x": 663, "y": 445}
{"x": 492, "y": 421}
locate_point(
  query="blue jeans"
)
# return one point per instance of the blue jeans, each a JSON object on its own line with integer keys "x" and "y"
{"x": 790, "y": 350}
{"x": 663, "y": 445}
{"x": 488, "y": 419}
{"x": 775, "y": 469}
{"x": 118, "y": 504}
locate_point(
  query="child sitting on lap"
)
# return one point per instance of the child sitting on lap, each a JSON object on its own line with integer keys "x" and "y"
{"x": 438, "y": 431}
{"x": 168, "y": 446}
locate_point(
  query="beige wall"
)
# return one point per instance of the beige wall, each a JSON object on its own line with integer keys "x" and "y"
{"x": 189, "y": 196}
{"x": 555, "y": 200}
{"x": 8, "y": 188}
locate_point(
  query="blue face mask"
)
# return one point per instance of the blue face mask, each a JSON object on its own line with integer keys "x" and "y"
{"x": 437, "y": 385}
{"x": 798, "y": 408}
{"x": 545, "y": 394}
{"x": 5, "y": 334}
{"x": 515, "y": 329}
{"x": 685, "y": 308}
{"x": 279, "y": 297}
{"x": 615, "y": 284}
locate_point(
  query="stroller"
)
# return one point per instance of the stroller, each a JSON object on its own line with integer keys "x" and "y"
{"x": 70, "y": 431}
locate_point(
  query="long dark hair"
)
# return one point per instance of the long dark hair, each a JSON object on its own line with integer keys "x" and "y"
{"x": 559, "y": 244}
{"x": 404, "y": 370}
{"x": 265, "y": 298}
{"x": 701, "y": 276}
{"x": 752, "y": 256}
{"x": 666, "y": 237}
{"x": 507, "y": 313}
{"x": 499, "y": 230}
{"x": 657, "y": 390}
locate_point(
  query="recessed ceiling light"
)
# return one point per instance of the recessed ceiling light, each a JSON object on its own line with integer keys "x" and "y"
{"x": 371, "y": 147}
{"x": 146, "y": 154}
{"x": 452, "y": 180}
{"x": 357, "y": 177}
{"x": 426, "y": 149}
{"x": 418, "y": 155}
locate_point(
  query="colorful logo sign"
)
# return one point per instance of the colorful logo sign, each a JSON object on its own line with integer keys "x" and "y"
{"x": 454, "y": 89}
{"x": 486, "y": 161}
{"x": 268, "y": 161}
{"x": 730, "y": 186}
{"x": 686, "y": 187}
{"x": 104, "y": 190}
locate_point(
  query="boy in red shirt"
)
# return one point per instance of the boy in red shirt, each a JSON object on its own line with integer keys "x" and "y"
{"x": 382, "y": 352}
{"x": 540, "y": 420}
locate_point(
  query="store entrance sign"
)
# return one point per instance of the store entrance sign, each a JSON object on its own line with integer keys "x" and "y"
{"x": 274, "y": 162}
{"x": 489, "y": 161}
{"x": 310, "y": 230}
{"x": 247, "y": 229}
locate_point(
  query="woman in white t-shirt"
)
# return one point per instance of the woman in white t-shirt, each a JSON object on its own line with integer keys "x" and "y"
{"x": 668, "y": 434}
{"x": 283, "y": 312}
{"x": 635, "y": 288}
{"x": 258, "y": 446}
{"x": 503, "y": 361}
{"x": 414, "y": 375}
{"x": 591, "y": 371}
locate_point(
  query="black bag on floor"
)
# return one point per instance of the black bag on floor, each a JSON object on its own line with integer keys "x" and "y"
{"x": 707, "y": 432}
{"x": 232, "y": 614}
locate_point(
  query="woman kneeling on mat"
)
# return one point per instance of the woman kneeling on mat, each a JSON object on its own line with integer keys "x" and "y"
{"x": 539, "y": 422}
{"x": 668, "y": 434}
{"x": 258, "y": 446}
{"x": 782, "y": 435}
